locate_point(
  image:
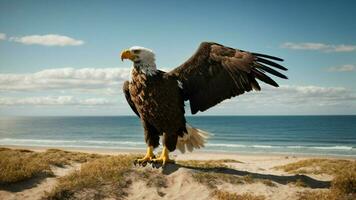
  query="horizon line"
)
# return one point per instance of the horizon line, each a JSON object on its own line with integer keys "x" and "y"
{"x": 292, "y": 115}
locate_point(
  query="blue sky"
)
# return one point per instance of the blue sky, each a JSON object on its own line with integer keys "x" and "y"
{"x": 61, "y": 57}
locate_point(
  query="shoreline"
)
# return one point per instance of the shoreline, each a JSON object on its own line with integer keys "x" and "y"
{"x": 198, "y": 154}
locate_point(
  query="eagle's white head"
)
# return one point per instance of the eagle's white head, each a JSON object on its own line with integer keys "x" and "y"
{"x": 143, "y": 59}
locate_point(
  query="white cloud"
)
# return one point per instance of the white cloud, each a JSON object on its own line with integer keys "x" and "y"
{"x": 291, "y": 95}
{"x": 53, "y": 100}
{"x": 2, "y": 36}
{"x": 48, "y": 40}
{"x": 343, "y": 68}
{"x": 319, "y": 47}
{"x": 108, "y": 79}
{"x": 315, "y": 95}
{"x": 88, "y": 86}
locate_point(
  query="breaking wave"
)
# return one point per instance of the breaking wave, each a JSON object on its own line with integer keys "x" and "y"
{"x": 280, "y": 147}
{"x": 134, "y": 144}
{"x": 10, "y": 141}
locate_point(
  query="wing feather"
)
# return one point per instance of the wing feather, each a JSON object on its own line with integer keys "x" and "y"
{"x": 216, "y": 72}
{"x": 271, "y": 71}
{"x": 263, "y": 77}
{"x": 267, "y": 56}
{"x": 273, "y": 64}
{"x": 128, "y": 97}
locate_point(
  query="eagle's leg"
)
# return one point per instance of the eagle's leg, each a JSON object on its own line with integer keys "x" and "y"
{"x": 164, "y": 157}
{"x": 147, "y": 158}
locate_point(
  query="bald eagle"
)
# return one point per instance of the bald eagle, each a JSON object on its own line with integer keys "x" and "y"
{"x": 214, "y": 73}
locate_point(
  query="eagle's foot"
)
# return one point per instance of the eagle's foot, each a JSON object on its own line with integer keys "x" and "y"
{"x": 147, "y": 158}
{"x": 143, "y": 161}
{"x": 163, "y": 159}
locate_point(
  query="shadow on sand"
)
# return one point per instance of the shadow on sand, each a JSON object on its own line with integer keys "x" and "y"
{"x": 23, "y": 185}
{"x": 308, "y": 181}
{"x": 171, "y": 168}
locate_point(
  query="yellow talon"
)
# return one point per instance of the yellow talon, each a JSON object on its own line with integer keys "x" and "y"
{"x": 147, "y": 158}
{"x": 164, "y": 158}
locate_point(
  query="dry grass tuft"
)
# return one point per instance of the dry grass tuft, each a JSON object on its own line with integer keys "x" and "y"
{"x": 318, "y": 166}
{"x": 203, "y": 164}
{"x": 343, "y": 186}
{"x": 19, "y": 164}
{"x": 229, "y": 161}
{"x": 206, "y": 164}
{"x": 61, "y": 158}
{"x": 268, "y": 183}
{"x": 101, "y": 178}
{"x": 325, "y": 195}
{"x": 345, "y": 182}
{"x": 223, "y": 195}
{"x": 212, "y": 179}
{"x": 299, "y": 183}
{"x": 248, "y": 179}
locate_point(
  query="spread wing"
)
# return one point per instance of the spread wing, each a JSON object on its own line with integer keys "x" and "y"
{"x": 128, "y": 97}
{"x": 216, "y": 72}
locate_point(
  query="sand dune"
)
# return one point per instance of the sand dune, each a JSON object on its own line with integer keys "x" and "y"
{"x": 35, "y": 188}
{"x": 236, "y": 174}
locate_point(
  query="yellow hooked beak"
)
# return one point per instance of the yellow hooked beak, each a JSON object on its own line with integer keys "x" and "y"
{"x": 126, "y": 54}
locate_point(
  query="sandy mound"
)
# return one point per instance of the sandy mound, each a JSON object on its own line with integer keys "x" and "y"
{"x": 37, "y": 187}
{"x": 179, "y": 185}
{"x": 194, "y": 176}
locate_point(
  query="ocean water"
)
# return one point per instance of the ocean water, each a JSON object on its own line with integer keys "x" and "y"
{"x": 316, "y": 135}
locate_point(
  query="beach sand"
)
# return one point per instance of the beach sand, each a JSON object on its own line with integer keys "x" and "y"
{"x": 260, "y": 177}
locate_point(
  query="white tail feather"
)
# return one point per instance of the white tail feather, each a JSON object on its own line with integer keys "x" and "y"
{"x": 193, "y": 139}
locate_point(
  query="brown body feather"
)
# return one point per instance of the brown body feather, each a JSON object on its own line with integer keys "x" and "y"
{"x": 160, "y": 105}
{"x": 214, "y": 73}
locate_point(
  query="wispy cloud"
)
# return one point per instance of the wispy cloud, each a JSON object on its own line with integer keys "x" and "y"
{"x": 53, "y": 100}
{"x": 319, "y": 47}
{"x": 316, "y": 95}
{"x": 47, "y": 40}
{"x": 343, "y": 68}
{"x": 2, "y": 36}
{"x": 293, "y": 95}
{"x": 286, "y": 95}
{"x": 66, "y": 79}
{"x": 91, "y": 87}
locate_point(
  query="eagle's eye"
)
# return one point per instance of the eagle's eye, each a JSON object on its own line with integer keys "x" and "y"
{"x": 136, "y": 51}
